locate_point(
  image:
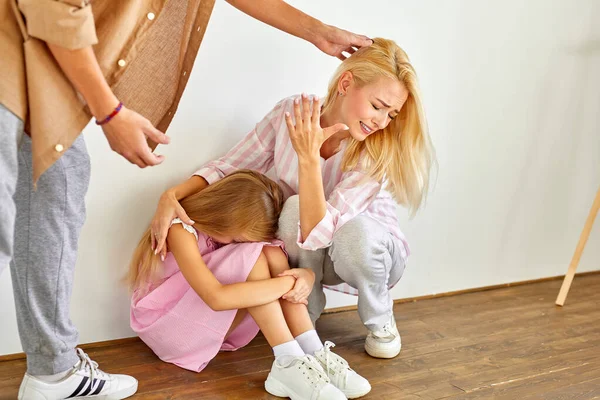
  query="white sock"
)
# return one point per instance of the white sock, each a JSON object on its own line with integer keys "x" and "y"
{"x": 285, "y": 352}
{"x": 310, "y": 342}
{"x": 54, "y": 378}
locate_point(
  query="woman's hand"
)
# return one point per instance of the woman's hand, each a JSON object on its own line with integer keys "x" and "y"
{"x": 305, "y": 280}
{"x": 168, "y": 209}
{"x": 307, "y": 136}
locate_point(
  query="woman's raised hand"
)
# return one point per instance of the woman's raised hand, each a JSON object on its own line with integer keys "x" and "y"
{"x": 306, "y": 135}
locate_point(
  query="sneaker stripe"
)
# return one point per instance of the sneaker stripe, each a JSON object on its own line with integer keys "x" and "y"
{"x": 99, "y": 388}
{"x": 89, "y": 389}
{"x": 81, "y": 386}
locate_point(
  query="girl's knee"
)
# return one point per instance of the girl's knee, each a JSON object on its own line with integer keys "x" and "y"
{"x": 260, "y": 270}
{"x": 276, "y": 259}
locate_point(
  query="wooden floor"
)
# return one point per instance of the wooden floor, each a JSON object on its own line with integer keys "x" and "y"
{"x": 510, "y": 343}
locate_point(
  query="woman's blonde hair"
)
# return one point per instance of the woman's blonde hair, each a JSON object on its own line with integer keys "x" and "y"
{"x": 402, "y": 153}
{"x": 244, "y": 203}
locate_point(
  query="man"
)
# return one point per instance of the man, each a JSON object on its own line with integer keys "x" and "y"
{"x": 53, "y": 81}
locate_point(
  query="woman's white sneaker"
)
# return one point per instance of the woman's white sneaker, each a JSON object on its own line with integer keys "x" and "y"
{"x": 341, "y": 375}
{"x": 300, "y": 378}
{"x": 384, "y": 343}
{"x": 84, "y": 381}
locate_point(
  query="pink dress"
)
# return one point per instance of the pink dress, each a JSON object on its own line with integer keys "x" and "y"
{"x": 177, "y": 324}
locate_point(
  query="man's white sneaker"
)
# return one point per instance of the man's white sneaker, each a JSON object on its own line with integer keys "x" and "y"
{"x": 301, "y": 378}
{"x": 384, "y": 343}
{"x": 84, "y": 381}
{"x": 341, "y": 375}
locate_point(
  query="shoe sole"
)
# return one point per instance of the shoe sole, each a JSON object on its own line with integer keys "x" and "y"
{"x": 376, "y": 353}
{"x": 122, "y": 394}
{"x": 356, "y": 395}
{"x": 276, "y": 388}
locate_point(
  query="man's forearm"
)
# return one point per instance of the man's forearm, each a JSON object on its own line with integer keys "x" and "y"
{"x": 82, "y": 69}
{"x": 282, "y": 16}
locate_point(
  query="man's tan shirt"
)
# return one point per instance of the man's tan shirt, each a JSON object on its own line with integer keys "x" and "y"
{"x": 145, "y": 48}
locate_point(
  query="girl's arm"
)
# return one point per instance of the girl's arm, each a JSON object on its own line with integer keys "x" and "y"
{"x": 279, "y": 266}
{"x": 216, "y": 295}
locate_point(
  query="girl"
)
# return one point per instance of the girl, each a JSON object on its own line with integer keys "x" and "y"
{"x": 214, "y": 288}
{"x": 340, "y": 182}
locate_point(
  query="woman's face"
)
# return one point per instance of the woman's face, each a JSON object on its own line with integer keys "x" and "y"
{"x": 372, "y": 107}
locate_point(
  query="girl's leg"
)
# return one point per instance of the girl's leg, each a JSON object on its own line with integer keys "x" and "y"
{"x": 239, "y": 316}
{"x": 301, "y": 326}
{"x": 292, "y": 373}
{"x": 269, "y": 317}
{"x": 296, "y": 315}
{"x": 300, "y": 258}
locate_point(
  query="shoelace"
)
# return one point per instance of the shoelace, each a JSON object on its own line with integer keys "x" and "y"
{"x": 332, "y": 358}
{"x": 86, "y": 363}
{"x": 313, "y": 370}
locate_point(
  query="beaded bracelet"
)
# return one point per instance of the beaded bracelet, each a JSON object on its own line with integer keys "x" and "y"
{"x": 111, "y": 115}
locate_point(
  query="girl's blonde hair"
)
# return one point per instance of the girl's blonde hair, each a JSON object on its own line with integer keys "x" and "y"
{"x": 402, "y": 153}
{"x": 244, "y": 203}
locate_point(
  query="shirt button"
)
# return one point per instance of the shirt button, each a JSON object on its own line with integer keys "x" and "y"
{"x": 59, "y": 148}
{"x": 122, "y": 63}
{"x": 151, "y": 16}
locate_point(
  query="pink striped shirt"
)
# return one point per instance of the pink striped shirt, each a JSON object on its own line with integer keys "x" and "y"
{"x": 348, "y": 193}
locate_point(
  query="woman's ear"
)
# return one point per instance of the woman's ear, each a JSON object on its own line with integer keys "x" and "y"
{"x": 345, "y": 82}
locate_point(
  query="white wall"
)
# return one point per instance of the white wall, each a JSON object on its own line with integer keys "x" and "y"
{"x": 512, "y": 99}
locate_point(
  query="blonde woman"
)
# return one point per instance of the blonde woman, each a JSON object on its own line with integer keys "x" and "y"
{"x": 341, "y": 183}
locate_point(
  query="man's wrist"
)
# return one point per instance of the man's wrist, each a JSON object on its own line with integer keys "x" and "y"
{"x": 102, "y": 104}
{"x": 316, "y": 32}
